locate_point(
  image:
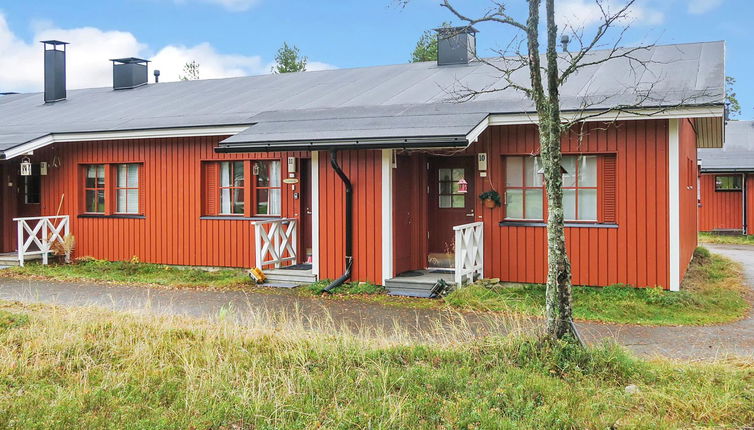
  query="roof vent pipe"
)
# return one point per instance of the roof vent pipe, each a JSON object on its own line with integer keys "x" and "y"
{"x": 129, "y": 73}
{"x": 455, "y": 45}
{"x": 54, "y": 70}
{"x": 156, "y": 74}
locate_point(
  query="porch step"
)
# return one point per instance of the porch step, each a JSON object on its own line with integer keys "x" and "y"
{"x": 11, "y": 259}
{"x": 289, "y": 277}
{"x": 419, "y": 285}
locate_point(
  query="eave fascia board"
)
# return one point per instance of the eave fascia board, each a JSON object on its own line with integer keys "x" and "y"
{"x": 724, "y": 170}
{"x": 155, "y": 133}
{"x": 636, "y": 114}
{"x": 353, "y": 144}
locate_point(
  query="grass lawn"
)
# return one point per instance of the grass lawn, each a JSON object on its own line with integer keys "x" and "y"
{"x": 737, "y": 239}
{"x": 84, "y": 368}
{"x": 712, "y": 292}
{"x": 134, "y": 272}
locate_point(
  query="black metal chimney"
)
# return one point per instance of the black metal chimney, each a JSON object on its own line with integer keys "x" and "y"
{"x": 54, "y": 70}
{"x": 129, "y": 73}
{"x": 455, "y": 45}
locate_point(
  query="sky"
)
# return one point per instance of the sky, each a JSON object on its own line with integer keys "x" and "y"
{"x": 240, "y": 37}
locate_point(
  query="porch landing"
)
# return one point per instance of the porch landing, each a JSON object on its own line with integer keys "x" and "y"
{"x": 417, "y": 283}
{"x": 8, "y": 259}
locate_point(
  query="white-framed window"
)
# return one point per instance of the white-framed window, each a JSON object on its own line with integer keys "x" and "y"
{"x": 525, "y": 195}
{"x": 127, "y": 189}
{"x": 232, "y": 183}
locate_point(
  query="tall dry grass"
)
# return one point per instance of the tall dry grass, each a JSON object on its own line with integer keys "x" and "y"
{"x": 89, "y": 368}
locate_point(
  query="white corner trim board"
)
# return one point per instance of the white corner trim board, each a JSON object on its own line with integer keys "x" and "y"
{"x": 387, "y": 214}
{"x": 315, "y": 212}
{"x": 49, "y": 139}
{"x": 674, "y": 201}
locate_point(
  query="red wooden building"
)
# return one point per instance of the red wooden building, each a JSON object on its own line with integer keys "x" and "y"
{"x": 726, "y": 183}
{"x": 371, "y": 174}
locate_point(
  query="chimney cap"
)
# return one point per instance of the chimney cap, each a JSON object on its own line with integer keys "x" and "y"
{"x": 129, "y": 60}
{"x": 456, "y": 30}
{"x": 54, "y": 42}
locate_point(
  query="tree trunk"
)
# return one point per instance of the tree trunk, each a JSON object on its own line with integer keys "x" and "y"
{"x": 558, "y": 295}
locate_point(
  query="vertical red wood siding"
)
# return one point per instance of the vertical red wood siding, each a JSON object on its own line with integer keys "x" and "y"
{"x": 364, "y": 169}
{"x": 688, "y": 210}
{"x": 634, "y": 251}
{"x": 171, "y": 231}
{"x": 720, "y": 210}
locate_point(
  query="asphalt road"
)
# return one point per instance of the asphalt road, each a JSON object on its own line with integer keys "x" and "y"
{"x": 706, "y": 342}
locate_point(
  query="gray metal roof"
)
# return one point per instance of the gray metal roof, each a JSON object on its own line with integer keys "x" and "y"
{"x": 737, "y": 155}
{"x": 404, "y": 101}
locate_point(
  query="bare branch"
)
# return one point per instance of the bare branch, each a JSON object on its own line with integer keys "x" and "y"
{"x": 494, "y": 14}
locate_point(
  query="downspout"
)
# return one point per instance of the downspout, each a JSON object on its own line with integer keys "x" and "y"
{"x": 349, "y": 212}
{"x": 743, "y": 202}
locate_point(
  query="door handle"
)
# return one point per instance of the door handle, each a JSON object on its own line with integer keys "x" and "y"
{"x": 471, "y": 214}
{"x": 308, "y": 211}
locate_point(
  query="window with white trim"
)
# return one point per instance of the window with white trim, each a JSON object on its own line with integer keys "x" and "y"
{"x": 127, "y": 189}
{"x": 525, "y": 197}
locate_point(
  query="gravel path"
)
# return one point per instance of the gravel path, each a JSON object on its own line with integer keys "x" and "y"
{"x": 674, "y": 342}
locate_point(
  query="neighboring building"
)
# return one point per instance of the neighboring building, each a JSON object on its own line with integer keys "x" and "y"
{"x": 176, "y": 173}
{"x": 726, "y": 184}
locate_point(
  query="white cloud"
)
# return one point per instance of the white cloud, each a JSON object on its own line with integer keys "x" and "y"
{"x": 698, "y": 7}
{"x": 231, "y": 5}
{"x": 584, "y": 13}
{"x": 90, "y": 49}
{"x": 171, "y": 59}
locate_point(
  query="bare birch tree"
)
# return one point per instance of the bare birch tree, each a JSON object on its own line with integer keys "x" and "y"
{"x": 545, "y": 79}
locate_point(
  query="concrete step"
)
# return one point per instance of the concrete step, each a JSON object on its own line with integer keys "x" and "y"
{"x": 11, "y": 259}
{"x": 296, "y": 277}
{"x": 415, "y": 286}
{"x": 410, "y": 293}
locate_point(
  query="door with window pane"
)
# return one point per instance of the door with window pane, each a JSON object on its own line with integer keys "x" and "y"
{"x": 449, "y": 206}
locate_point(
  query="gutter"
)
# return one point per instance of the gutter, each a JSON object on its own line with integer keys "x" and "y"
{"x": 336, "y": 145}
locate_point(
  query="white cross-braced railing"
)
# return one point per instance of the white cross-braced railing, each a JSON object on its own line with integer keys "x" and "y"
{"x": 40, "y": 233}
{"x": 275, "y": 242}
{"x": 469, "y": 249}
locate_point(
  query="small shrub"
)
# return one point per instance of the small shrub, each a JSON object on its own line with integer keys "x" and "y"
{"x": 702, "y": 254}
{"x": 659, "y": 296}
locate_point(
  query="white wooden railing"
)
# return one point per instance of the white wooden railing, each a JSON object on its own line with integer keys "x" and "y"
{"x": 469, "y": 246}
{"x": 275, "y": 242}
{"x": 36, "y": 235}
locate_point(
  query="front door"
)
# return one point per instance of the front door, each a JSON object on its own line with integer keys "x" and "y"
{"x": 449, "y": 205}
{"x": 305, "y": 188}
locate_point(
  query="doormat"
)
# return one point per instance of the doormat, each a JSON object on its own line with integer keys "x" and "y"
{"x": 442, "y": 271}
{"x": 410, "y": 274}
{"x": 304, "y": 266}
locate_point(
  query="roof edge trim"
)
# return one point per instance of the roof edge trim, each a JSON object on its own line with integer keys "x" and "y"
{"x": 326, "y": 145}
{"x": 706, "y": 111}
{"x": 152, "y": 133}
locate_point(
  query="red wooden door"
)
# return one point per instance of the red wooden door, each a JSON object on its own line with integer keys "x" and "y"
{"x": 404, "y": 217}
{"x": 305, "y": 188}
{"x": 448, "y": 205}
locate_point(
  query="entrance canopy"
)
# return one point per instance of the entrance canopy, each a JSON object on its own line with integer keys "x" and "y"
{"x": 370, "y": 127}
